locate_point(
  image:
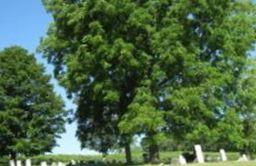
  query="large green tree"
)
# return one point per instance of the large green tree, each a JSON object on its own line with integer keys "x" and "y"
{"x": 31, "y": 115}
{"x": 151, "y": 67}
{"x": 215, "y": 37}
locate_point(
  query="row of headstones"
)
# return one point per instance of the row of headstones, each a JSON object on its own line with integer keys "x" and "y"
{"x": 43, "y": 163}
{"x": 182, "y": 160}
{"x": 200, "y": 156}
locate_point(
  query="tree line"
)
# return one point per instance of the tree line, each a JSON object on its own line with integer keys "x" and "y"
{"x": 174, "y": 72}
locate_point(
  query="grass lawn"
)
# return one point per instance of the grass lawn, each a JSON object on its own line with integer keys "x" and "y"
{"x": 233, "y": 163}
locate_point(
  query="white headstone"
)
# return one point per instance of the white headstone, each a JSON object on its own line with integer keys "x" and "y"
{"x": 199, "y": 154}
{"x": 12, "y": 163}
{"x": 43, "y": 163}
{"x": 61, "y": 164}
{"x": 54, "y": 164}
{"x": 243, "y": 158}
{"x": 28, "y": 162}
{"x": 223, "y": 155}
{"x": 182, "y": 160}
{"x": 18, "y": 163}
{"x": 73, "y": 162}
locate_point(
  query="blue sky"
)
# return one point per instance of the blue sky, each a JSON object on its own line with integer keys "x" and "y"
{"x": 24, "y": 23}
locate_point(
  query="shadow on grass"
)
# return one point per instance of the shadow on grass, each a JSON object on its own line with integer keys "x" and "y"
{"x": 107, "y": 163}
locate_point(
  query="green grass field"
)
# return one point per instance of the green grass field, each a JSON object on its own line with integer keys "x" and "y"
{"x": 234, "y": 163}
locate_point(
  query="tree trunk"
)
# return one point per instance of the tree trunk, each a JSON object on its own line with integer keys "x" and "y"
{"x": 153, "y": 154}
{"x": 14, "y": 158}
{"x": 128, "y": 154}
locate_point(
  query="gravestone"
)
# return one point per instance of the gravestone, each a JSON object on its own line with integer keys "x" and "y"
{"x": 61, "y": 164}
{"x": 12, "y": 163}
{"x": 223, "y": 155}
{"x": 18, "y": 163}
{"x": 182, "y": 160}
{"x": 43, "y": 163}
{"x": 199, "y": 154}
{"x": 28, "y": 162}
{"x": 73, "y": 162}
{"x": 54, "y": 164}
{"x": 243, "y": 158}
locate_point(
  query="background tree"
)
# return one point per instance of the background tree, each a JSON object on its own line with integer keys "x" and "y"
{"x": 31, "y": 115}
{"x": 212, "y": 48}
{"x": 151, "y": 67}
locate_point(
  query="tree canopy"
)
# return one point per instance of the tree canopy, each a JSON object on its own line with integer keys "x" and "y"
{"x": 151, "y": 67}
{"x": 31, "y": 115}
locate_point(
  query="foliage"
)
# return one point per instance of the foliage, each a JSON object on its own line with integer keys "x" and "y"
{"x": 200, "y": 104}
{"x": 246, "y": 106}
{"x": 31, "y": 115}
